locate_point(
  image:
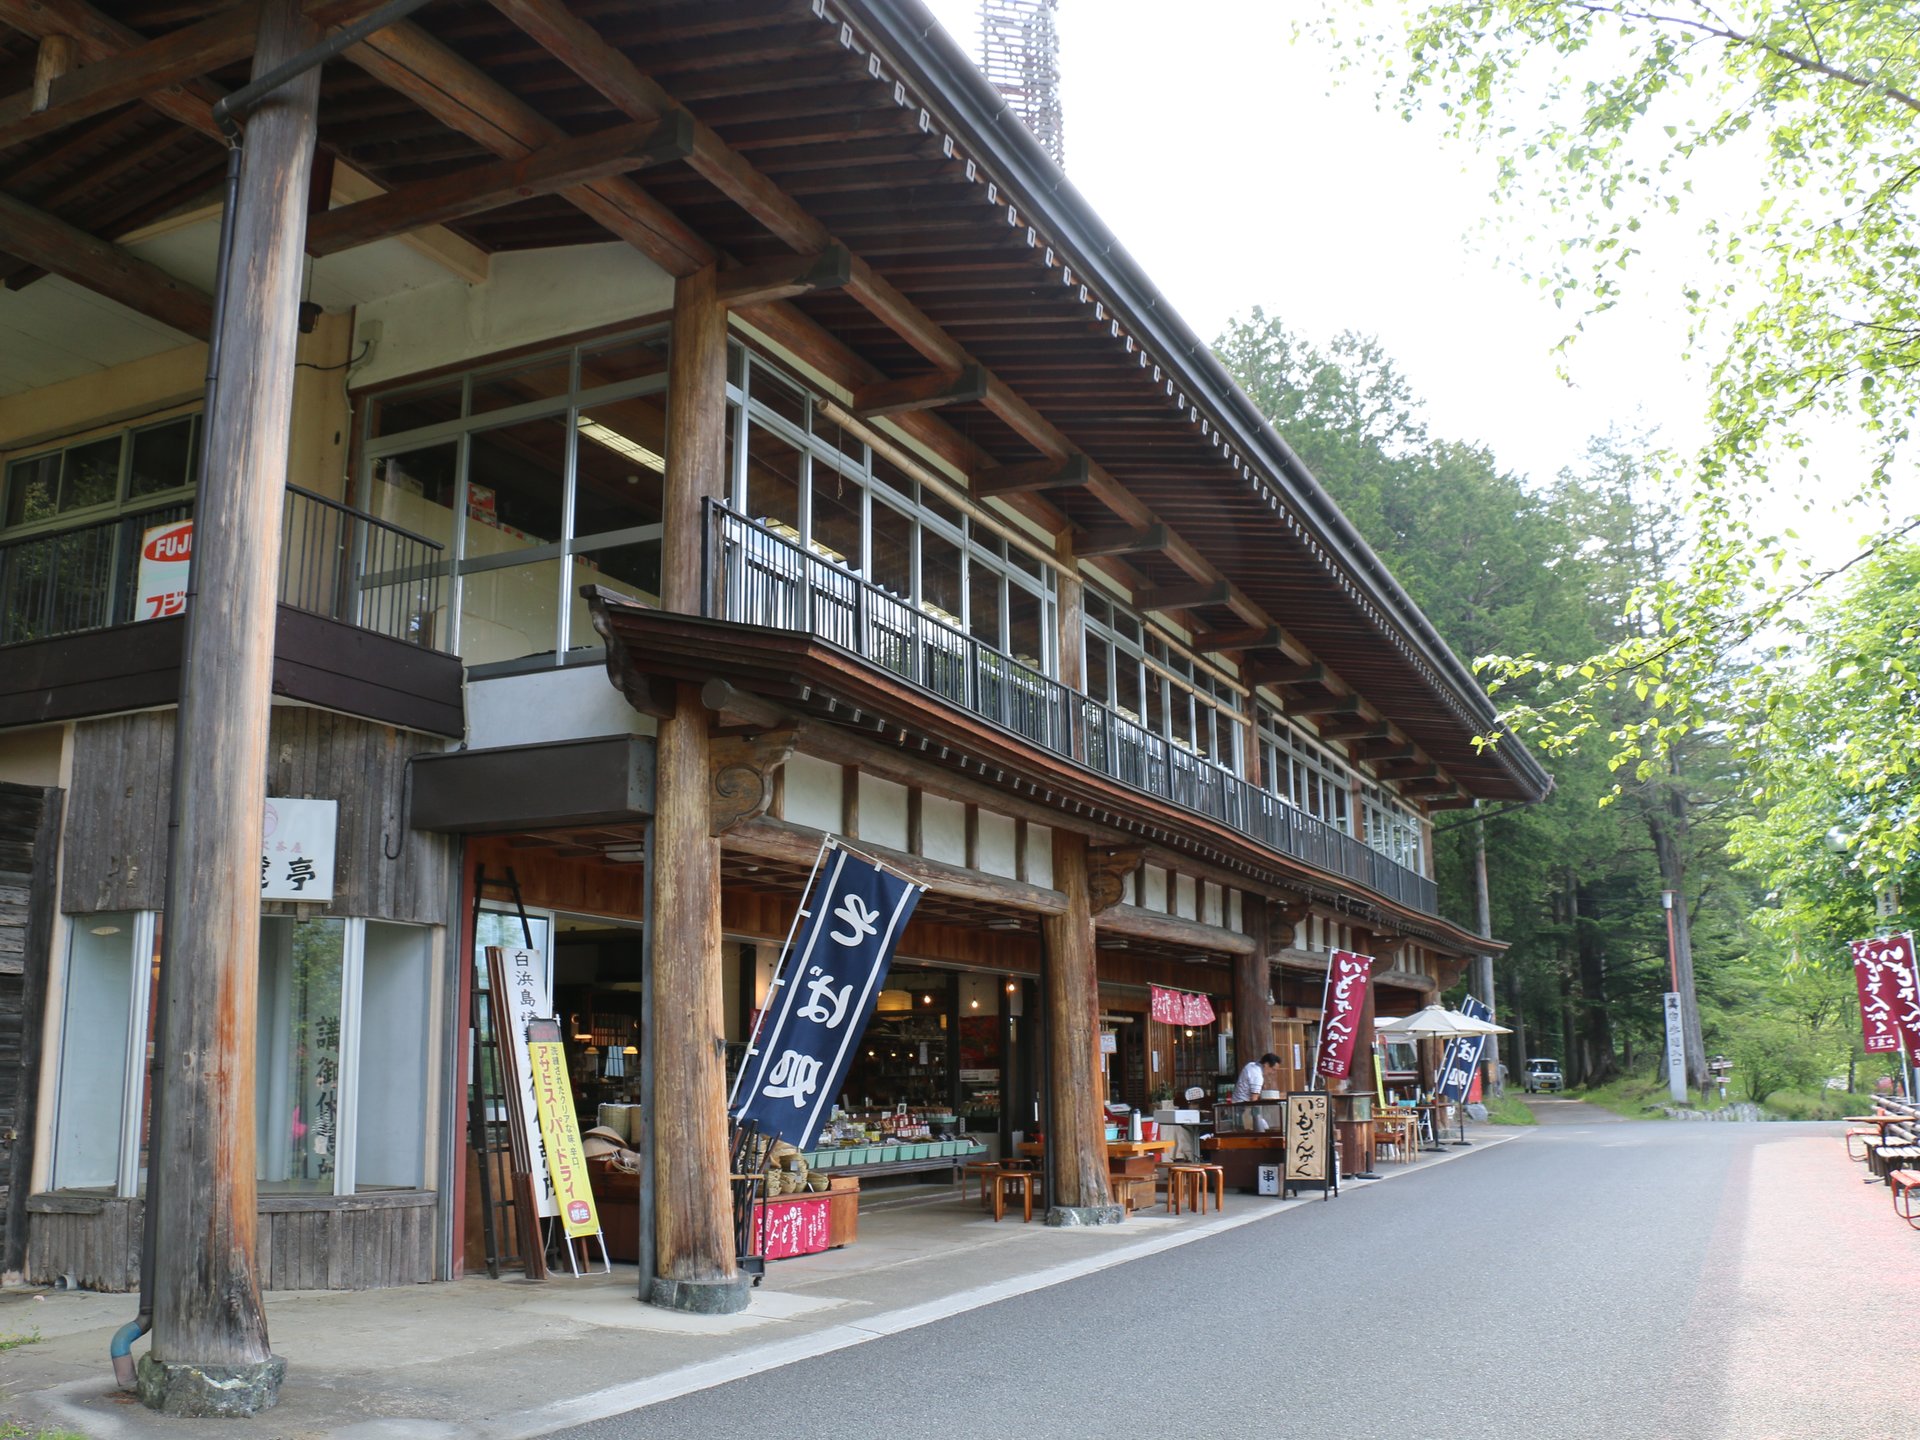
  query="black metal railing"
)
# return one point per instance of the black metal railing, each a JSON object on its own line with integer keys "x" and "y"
{"x": 757, "y": 577}
{"x": 766, "y": 579}
{"x": 334, "y": 561}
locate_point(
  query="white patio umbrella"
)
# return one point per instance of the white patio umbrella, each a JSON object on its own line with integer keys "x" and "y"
{"x": 1436, "y": 1022}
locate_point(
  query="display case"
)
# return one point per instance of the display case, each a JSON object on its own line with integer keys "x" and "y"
{"x": 1248, "y": 1117}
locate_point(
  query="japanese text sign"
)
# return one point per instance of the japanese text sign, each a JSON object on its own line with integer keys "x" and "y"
{"x": 1340, "y": 1012}
{"x": 828, "y": 986}
{"x": 560, "y": 1131}
{"x": 1179, "y": 1007}
{"x": 1309, "y": 1139}
{"x": 1462, "y": 1056}
{"x": 166, "y": 555}
{"x": 296, "y": 849}
{"x": 1889, "y": 1006}
{"x": 518, "y": 982}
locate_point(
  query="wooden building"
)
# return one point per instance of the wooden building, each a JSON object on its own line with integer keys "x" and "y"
{"x": 718, "y": 416}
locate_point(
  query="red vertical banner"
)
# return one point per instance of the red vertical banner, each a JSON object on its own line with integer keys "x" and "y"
{"x": 1889, "y": 997}
{"x": 1340, "y": 1012}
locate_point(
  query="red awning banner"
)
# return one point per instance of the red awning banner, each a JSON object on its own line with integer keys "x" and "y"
{"x": 1179, "y": 1007}
{"x": 1889, "y": 1001}
{"x": 1340, "y": 1012}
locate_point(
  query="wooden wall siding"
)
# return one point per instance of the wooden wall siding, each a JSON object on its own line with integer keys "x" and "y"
{"x": 29, "y": 839}
{"x": 547, "y": 881}
{"x": 361, "y": 1242}
{"x": 122, "y": 772}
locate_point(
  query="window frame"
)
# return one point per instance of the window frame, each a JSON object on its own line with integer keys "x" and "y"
{"x": 122, "y": 503}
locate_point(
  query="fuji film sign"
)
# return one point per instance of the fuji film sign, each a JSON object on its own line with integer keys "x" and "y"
{"x": 166, "y": 556}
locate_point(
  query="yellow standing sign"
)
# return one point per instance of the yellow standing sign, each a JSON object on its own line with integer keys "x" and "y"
{"x": 559, "y": 1131}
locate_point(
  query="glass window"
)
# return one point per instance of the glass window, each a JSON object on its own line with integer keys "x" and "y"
{"x": 163, "y": 458}
{"x": 91, "y": 474}
{"x": 95, "y": 1032}
{"x": 297, "y": 1082}
{"x": 620, "y": 465}
{"x": 628, "y": 358}
{"x": 773, "y": 483}
{"x": 398, "y": 411}
{"x": 415, "y": 490}
{"x": 940, "y": 583}
{"x": 784, "y": 400}
{"x": 546, "y": 378}
{"x": 892, "y": 550}
{"x": 33, "y": 489}
{"x": 983, "y": 616}
{"x": 390, "y": 1140}
{"x": 837, "y": 503}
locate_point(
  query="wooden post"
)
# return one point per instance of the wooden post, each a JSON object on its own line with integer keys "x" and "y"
{"x": 1076, "y": 1146}
{"x": 1252, "y": 987}
{"x": 209, "y": 1354}
{"x": 693, "y": 1236}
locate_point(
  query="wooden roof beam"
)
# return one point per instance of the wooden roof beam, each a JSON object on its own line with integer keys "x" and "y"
{"x": 1282, "y": 673}
{"x": 480, "y": 188}
{"x": 104, "y": 268}
{"x": 1384, "y": 751}
{"x": 921, "y": 392}
{"x": 97, "y": 38}
{"x": 1335, "y": 706}
{"x": 1450, "y": 802}
{"x": 142, "y": 68}
{"x": 1120, "y": 540}
{"x": 1357, "y": 727}
{"x": 1031, "y": 477}
{"x": 1247, "y": 637}
{"x": 412, "y": 63}
{"x": 1183, "y": 597}
{"x": 785, "y": 276}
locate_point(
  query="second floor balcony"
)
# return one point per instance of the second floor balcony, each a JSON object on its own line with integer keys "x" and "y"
{"x": 758, "y": 577}
{"x": 81, "y": 631}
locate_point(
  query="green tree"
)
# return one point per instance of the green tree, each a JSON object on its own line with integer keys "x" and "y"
{"x": 1803, "y": 118}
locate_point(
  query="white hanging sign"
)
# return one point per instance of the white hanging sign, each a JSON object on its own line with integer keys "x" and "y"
{"x": 296, "y": 849}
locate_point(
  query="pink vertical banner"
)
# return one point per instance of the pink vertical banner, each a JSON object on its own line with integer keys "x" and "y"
{"x": 1883, "y": 970}
{"x": 1340, "y": 1012}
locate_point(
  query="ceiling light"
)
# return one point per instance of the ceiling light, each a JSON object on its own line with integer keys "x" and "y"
{"x": 621, "y": 445}
{"x": 104, "y": 930}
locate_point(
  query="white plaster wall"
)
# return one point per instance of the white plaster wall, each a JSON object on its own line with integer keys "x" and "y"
{"x": 1040, "y": 855}
{"x": 1186, "y": 897}
{"x": 998, "y": 850}
{"x": 1236, "y": 912}
{"x": 1213, "y": 904}
{"x": 563, "y": 704}
{"x": 1156, "y": 888}
{"x": 32, "y": 757}
{"x": 529, "y": 296}
{"x": 813, "y": 793}
{"x": 943, "y": 829}
{"x": 883, "y": 812}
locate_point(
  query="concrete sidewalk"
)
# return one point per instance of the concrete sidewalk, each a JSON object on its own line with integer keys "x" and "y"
{"x": 503, "y": 1359}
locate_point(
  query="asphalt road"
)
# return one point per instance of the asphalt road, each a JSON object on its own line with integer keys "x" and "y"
{"x": 1596, "y": 1277}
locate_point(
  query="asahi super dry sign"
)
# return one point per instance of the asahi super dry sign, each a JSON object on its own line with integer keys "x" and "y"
{"x": 828, "y": 986}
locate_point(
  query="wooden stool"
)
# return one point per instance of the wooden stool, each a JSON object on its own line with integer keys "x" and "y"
{"x": 1004, "y": 1182}
{"x": 1187, "y": 1187}
{"x": 981, "y": 1168}
{"x": 1218, "y": 1174}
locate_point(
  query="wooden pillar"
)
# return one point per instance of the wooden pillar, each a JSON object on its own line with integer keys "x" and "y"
{"x": 209, "y": 1354}
{"x": 1252, "y": 987}
{"x": 693, "y": 1217}
{"x": 1076, "y": 1143}
{"x": 1070, "y": 630}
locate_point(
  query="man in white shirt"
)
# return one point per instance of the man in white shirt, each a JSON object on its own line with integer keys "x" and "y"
{"x": 1254, "y": 1077}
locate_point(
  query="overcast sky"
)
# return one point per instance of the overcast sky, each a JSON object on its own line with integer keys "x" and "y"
{"x": 1239, "y": 174}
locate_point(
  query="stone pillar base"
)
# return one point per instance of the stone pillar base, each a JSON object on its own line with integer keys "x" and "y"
{"x": 221, "y": 1391}
{"x": 702, "y": 1297}
{"x": 1075, "y": 1215}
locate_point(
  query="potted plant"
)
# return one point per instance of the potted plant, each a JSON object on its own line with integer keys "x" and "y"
{"x": 1163, "y": 1097}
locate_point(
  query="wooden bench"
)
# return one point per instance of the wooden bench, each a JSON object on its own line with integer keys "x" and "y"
{"x": 1898, "y": 1148}
{"x": 1127, "y": 1190}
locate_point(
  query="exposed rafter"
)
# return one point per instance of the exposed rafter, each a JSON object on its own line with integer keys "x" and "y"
{"x": 480, "y": 188}
{"x": 1121, "y": 540}
{"x": 1032, "y": 477}
{"x": 785, "y": 277}
{"x": 104, "y": 268}
{"x": 921, "y": 392}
